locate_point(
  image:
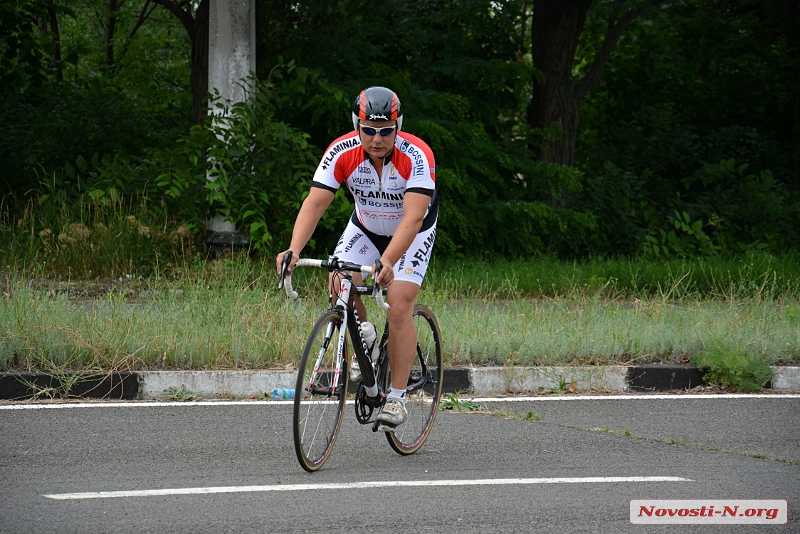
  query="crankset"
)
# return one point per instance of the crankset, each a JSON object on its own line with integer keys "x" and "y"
{"x": 365, "y": 405}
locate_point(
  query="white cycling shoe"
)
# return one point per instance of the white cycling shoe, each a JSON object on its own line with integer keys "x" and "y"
{"x": 355, "y": 371}
{"x": 393, "y": 414}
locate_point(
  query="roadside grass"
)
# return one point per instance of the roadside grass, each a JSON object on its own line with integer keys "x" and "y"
{"x": 181, "y": 394}
{"x": 752, "y": 276}
{"x": 733, "y": 370}
{"x": 527, "y": 416}
{"x": 228, "y": 314}
{"x": 453, "y": 403}
{"x": 190, "y": 327}
{"x": 562, "y": 332}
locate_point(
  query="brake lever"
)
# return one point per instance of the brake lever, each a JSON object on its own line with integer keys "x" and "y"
{"x": 287, "y": 259}
{"x": 378, "y": 269}
{"x": 377, "y": 292}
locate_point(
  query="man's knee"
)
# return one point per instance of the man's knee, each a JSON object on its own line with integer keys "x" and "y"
{"x": 401, "y": 300}
{"x": 399, "y": 313}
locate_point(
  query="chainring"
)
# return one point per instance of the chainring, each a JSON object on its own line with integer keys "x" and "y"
{"x": 363, "y": 410}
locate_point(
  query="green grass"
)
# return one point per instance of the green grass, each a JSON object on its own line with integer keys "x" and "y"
{"x": 754, "y": 275}
{"x": 181, "y": 394}
{"x": 733, "y": 369}
{"x": 114, "y": 237}
{"x": 228, "y": 314}
{"x": 528, "y": 416}
{"x": 190, "y": 327}
{"x": 559, "y": 331}
{"x": 453, "y": 403}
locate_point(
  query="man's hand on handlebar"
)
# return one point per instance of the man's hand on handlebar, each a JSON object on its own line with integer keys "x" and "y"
{"x": 383, "y": 273}
{"x": 285, "y": 263}
{"x": 292, "y": 261}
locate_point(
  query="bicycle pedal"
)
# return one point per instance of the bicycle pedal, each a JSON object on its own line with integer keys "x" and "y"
{"x": 386, "y": 427}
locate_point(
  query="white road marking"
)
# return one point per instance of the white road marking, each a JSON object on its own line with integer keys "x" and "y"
{"x": 699, "y": 396}
{"x": 139, "y": 404}
{"x": 355, "y": 485}
{"x": 535, "y": 398}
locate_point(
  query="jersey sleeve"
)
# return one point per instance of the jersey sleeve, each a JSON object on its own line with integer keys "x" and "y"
{"x": 332, "y": 170}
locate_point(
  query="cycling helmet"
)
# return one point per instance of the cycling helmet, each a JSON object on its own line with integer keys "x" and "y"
{"x": 377, "y": 104}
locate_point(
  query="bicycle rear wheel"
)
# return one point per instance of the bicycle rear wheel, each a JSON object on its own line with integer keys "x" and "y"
{"x": 424, "y": 390}
{"x": 320, "y": 392}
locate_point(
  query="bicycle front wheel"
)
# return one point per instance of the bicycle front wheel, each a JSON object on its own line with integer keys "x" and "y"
{"x": 320, "y": 391}
{"x": 424, "y": 389}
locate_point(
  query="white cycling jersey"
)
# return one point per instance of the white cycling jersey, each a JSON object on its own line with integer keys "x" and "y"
{"x": 379, "y": 199}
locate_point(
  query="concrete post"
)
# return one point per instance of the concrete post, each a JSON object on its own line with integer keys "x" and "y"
{"x": 231, "y": 57}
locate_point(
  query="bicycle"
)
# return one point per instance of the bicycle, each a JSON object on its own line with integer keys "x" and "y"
{"x": 322, "y": 380}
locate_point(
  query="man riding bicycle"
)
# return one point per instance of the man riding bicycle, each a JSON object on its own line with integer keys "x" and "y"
{"x": 391, "y": 175}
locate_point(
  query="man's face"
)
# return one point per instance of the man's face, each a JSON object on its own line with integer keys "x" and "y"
{"x": 377, "y": 145}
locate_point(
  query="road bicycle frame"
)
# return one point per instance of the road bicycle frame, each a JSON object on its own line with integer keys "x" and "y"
{"x": 343, "y": 300}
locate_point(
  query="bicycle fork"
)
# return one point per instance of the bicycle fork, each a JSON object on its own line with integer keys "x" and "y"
{"x": 321, "y": 354}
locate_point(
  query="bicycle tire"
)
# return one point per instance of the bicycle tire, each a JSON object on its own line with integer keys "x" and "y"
{"x": 424, "y": 391}
{"x": 318, "y": 405}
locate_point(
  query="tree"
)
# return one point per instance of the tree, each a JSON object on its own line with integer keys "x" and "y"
{"x": 555, "y": 34}
{"x": 694, "y": 116}
{"x": 111, "y": 10}
{"x": 786, "y": 14}
{"x": 22, "y": 60}
{"x": 194, "y": 18}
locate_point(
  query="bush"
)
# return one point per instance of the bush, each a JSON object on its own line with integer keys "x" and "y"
{"x": 495, "y": 197}
{"x": 537, "y": 229}
{"x": 44, "y": 133}
{"x": 745, "y": 209}
{"x": 733, "y": 370}
{"x": 244, "y": 163}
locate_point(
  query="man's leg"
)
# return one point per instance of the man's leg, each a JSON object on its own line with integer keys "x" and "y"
{"x": 402, "y": 333}
{"x": 402, "y": 351}
{"x": 401, "y": 296}
{"x": 356, "y": 247}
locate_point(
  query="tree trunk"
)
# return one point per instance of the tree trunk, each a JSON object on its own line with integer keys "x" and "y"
{"x": 196, "y": 25}
{"x": 788, "y": 11}
{"x": 55, "y": 38}
{"x": 556, "y": 29}
{"x": 199, "y": 65}
{"x": 796, "y": 138}
{"x": 108, "y": 34}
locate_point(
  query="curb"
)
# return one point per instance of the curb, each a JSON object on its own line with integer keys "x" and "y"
{"x": 118, "y": 385}
{"x": 153, "y": 385}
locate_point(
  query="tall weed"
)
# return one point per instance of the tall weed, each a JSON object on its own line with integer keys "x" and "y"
{"x": 103, "y": 238}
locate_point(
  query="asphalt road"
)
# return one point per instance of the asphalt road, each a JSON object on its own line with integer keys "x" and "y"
{"x": 232, "y": 467}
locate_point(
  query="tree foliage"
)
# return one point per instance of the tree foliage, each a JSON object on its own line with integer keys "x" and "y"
{"x": 695, "y": 115}
{"x": 686, "y": 145}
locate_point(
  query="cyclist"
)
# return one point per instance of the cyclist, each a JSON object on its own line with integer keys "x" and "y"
{"x": 391, "y": 175}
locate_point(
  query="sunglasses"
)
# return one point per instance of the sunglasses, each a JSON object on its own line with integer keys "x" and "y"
{"x": 370, "y": 131}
